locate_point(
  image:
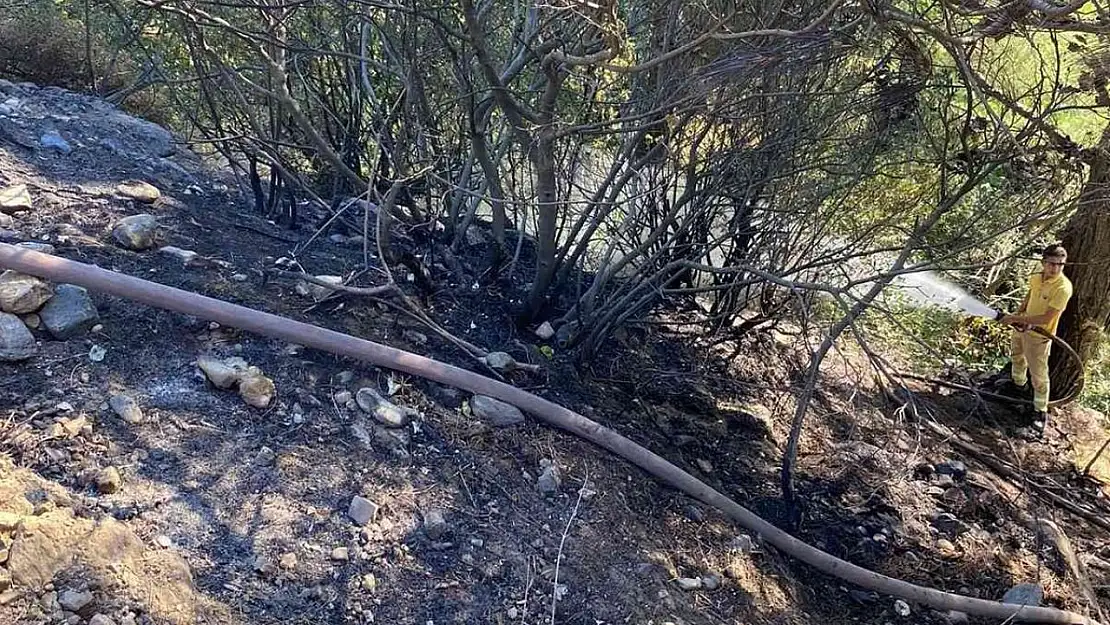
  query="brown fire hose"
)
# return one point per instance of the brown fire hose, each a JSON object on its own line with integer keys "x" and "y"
{"x": 150, "y": 293}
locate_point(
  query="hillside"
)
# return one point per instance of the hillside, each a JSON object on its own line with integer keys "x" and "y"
{"x": 135, "y": 490}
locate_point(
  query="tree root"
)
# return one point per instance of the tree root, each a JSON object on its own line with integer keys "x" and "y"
{"x": 97, "y": 279}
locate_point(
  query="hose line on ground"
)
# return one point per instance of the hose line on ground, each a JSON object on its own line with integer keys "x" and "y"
{"x": 169, "y": 298}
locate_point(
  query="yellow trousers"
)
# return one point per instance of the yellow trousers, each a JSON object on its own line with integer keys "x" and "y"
{"x": 1029, "y": 353}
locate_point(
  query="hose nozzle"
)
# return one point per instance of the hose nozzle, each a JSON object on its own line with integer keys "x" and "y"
{"x": 998, "y": 315}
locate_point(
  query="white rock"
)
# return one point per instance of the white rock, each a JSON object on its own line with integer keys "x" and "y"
{"x": 222, "y": 373}
{"x": 139, "y": 190}
{"x": 362, "y": 510}
{"x": 126, "y": 408}
{"x": 136, "y": 232}
{"x": 316, "y": 291}
{"x": 187, "y": 257}
{"x": 496, "y": 413}
{"x": 21, "y": 293}
{"x": 15, "y": 198}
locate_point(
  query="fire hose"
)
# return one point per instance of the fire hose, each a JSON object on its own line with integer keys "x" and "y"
{"x": 1070, "y": 396}
{"x": 97, "y": 279}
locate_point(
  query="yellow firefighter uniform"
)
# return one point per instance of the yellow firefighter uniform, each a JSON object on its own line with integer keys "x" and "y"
{"x": 1029, "y": 351}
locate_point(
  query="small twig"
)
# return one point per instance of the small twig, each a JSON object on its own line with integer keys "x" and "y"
{"x": 1098, "y": 454}
{"x": 562, "y": 541}
{"x": 374, "y": 291}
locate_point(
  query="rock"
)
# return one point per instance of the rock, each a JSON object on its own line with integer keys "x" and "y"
{"x": 51, "y": 140}
{"x": 955, "y": 468}
{"x": 863, "y": 596}
{"x": 163, "y": 541}
{"x": 689, "y": 583}
{"x": 6, "y": 221}
{"x": 21, "y": 293}
{"x": 545, "y": 331}
{"x": 139, "y": 190}
{"x": 901, "y": 608}
{"x": 126, "y": 408}
{"x": 222, "y": 374}
{"x": 16, "y": 341}
{"x": 704, "y": 465}
{"x": 256, "y": 389}
{"x": 317, "y": 291}
{"x": 109, "y": 481}
{"x": 187, "y": 257}
{"x": 743, "y": 543}
{"x": 435, "y": 526}
{"x": 1024, "y": 594}
{"x": 499, "y": 361}
{"x": 947, "y": 523}
{"x": 362, "y": 510}
{"x": 342, "y": 398}
{"x": 75, "y": 601}
{"x": 69, "y": 313}
{"x": 239, "y": 277}
{"x": 31, "y": 320}
{"x": 496, "y": 413}
{"x": 100, "y": 619}
{"x": 946, "y": 548}
{"x": 945, "y": 480}
{"x": 341, "y": 554}
{"x": 35, "y": 246}
{"x": 386, "y": 412}
{"x": 288, "y": 561}
{"x": 136, "y": 232}
{"x": 14, "y": 199}
{"x": 549, "y": 481}
{"x": 711, "y": 581}
{"x": 369, "y": 582}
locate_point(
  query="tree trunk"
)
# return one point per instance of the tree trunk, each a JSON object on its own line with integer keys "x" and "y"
{"x": 1087, "y": 239}
{"x": 543, "y": 160}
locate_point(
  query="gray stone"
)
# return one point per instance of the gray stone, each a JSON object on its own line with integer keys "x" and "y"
{"x": 947, "y": 523}
{"x": 955, "y": 468}
{"x": 136, "y": 232}
{"x": 139, "y": 190}
{"x": 386, "y": 412}
{"x": 16, "y": 341}
{"x": 21, "y": 293}
{"x": 689, "y": 583}
{"x": 109, "y": 481}
{"x": 499, "y": 361}
{"x": 435, "y": 526}
{"x": 545, "y": 331}
{"x": 341, "y": 554}
{"x": 549, "y": 481}
{"x": 100, "y": 619}
{"x": 14, "y": 199}
{"x": 362, "y": 510}
{"x": 901, "y": 608}
{"x": 1024, "y": 594}
{"x": 711, "y": 581}
{"x": 342, "y": 397}
{"x": 187, "y": 257}
{"x": 75, "y": 601}
{"x": 51, "y": 140}
{"x": 955, "y": 617}
{"x": 69, "y": 313}
{"x": 496, "y": 413}
{"x": 126, "y": 408}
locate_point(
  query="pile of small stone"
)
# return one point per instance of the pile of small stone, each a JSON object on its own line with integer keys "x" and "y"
{"x": 31, "y": 304}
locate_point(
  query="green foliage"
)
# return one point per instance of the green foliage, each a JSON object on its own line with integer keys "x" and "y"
{"x": 1096, "y": 390}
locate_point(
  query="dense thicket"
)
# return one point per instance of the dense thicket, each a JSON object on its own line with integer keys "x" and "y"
{"x": 736, "y": 158}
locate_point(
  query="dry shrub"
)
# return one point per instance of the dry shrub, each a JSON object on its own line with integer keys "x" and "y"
{"x": 41, "y": 45}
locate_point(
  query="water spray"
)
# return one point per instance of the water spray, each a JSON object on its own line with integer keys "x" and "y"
{"x": 927, "y": 288}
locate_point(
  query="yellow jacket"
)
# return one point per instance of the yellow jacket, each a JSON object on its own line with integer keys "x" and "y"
{"x": 1043, "y": 295}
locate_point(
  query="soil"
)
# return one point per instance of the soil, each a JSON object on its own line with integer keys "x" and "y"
{"x": 232, "y": 514}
